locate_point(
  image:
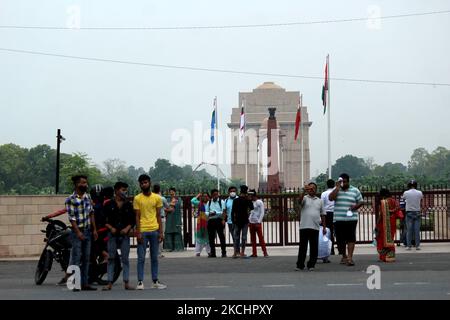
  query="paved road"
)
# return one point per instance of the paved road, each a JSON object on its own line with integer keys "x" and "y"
{"x": 413, "y": 276}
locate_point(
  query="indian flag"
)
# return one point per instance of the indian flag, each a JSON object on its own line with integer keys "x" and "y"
{"x": 242, "y": 124}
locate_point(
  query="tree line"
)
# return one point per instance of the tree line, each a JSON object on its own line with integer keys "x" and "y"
{"x": 33, "y": 171}
{"x": 428, "y": 169}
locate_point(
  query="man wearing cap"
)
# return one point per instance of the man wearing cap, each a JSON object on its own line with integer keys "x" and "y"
{"x": 413, "y": 197}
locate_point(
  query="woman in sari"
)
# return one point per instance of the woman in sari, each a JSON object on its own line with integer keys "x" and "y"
{"x": 201, "y": 230}
{"x": 388, "y": 212}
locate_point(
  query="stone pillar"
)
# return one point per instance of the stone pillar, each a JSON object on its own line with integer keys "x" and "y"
{"x": 273, "y": 177}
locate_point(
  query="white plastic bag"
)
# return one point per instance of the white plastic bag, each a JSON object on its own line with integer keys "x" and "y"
{"x": 324, "y": 244}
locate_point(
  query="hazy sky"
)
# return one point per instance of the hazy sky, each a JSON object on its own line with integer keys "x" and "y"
{"x": 129, "y": 112}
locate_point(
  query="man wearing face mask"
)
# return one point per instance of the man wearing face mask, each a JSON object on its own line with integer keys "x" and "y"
{"x": 232, "y": 192}
{"x": 120, "y": 219}
{"x": 81, "y": 216}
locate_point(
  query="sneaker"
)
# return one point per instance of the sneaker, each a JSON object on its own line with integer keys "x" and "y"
{"x": 299, "y": 269}
{"x": 409, "y": 248}
{"x": 224, "y": 255}
{"x": 418, "y": 249}
{"x": 253, "y": 256}
{"x": 158, "y": 285}
{"x": 62, "y": 282}
{"x": 266, "y": 255}
{"x": 310, "y": 269}
{"x": 197, "y": 254}
{"x": 88, "y": 288}
{"x": 212, "y": 256}
{"x": 140, "y": 286}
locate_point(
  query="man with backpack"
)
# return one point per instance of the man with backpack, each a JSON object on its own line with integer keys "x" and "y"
{"x": 216, "y": 223}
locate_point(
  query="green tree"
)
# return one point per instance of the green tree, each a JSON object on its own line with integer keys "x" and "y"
{"x": 13, "y": 168}
{"x": 78, "y": 163}
{"x": 418, "y": 162}
{"x": 41, "y": 167}
{"x": 353, "y": 166}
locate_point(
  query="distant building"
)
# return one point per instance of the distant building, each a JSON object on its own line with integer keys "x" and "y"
{"x": 257, "y": 104}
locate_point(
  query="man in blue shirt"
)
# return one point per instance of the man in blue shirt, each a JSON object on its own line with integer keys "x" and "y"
{"x": 216, "y": 223}
{"x": 232, "y": 192}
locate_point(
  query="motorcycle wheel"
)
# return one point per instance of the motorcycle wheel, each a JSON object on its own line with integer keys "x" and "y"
{"x": 43, "y": 267}
{"x": 101, "y": 271}
{"x": 117, "y": 268}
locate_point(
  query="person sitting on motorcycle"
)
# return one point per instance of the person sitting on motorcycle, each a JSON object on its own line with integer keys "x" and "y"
{"x": 120, "y": 219}
{"x": 99, "y": 196}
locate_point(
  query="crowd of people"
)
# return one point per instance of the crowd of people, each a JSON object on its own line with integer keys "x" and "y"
{"x": 156, "y": 222}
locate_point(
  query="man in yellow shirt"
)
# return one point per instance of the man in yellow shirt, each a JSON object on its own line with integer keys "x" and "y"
{"x": 147, "y": 206}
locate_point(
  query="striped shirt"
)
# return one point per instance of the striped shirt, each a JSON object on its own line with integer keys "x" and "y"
{"x": 79, "y": 209}
{"x": 344, "y": 200}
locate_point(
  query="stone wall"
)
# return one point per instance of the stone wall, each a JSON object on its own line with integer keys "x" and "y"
{"x": 20, "y": 223}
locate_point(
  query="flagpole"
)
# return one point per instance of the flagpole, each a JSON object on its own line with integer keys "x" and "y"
{"x": 257, "y": 162}
{"x": 329, "y": 117}
{"x": 217, "y": 144}
{"x": 245, "y": 144}
{"x": 302, "y": 181}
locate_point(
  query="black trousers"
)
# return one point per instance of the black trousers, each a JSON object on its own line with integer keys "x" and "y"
{"x": 330, "y": 225}
{"x": 311, "y": 236}
{"x": 215, "y": 226}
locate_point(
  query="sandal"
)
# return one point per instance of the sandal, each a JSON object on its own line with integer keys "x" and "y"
{"x": 350, "y": 263}
{"x": 344, "y": 261}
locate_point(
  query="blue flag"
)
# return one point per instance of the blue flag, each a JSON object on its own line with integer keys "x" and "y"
{"x": 214, "y": 121}
{"x": 213, "y": 125}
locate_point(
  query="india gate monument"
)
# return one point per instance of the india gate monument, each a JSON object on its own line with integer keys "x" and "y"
{"x": 268, "y": 156}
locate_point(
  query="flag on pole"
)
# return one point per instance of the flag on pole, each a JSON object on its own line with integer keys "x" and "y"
{"x": 214, "y": 120}
{"x": 242, "y": 124}
{"x": 325, "y": 88}
{"x": 298, "y": 119}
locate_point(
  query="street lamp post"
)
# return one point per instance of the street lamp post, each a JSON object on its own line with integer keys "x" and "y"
{"x": 59, "y": 139}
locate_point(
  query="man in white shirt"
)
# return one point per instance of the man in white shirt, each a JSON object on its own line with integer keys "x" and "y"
{"x": 312, "y": 213}
{"x": 255, "y": 219}
{"x": 328, "y": 206}
{"x": 413, "y": 197}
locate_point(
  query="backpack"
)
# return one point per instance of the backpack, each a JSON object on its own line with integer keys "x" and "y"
{"x": 220, "y": 203}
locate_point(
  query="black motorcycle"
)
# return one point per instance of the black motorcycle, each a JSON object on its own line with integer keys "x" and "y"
{"x": 58, "y": 246}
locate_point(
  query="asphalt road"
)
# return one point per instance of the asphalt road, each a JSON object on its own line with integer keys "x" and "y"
{"x": 413, "y": 276}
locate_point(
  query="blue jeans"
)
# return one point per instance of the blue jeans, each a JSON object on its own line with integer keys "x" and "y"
{"x": 122, "y": 242}
{"x": 413, "y": 225}
{"x": 237, "y": 237}
{"x": 152, "y": 239}
{"x": 80, "y": 254}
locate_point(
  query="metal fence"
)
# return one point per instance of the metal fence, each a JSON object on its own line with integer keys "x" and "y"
{"x": 281, "y": 220}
